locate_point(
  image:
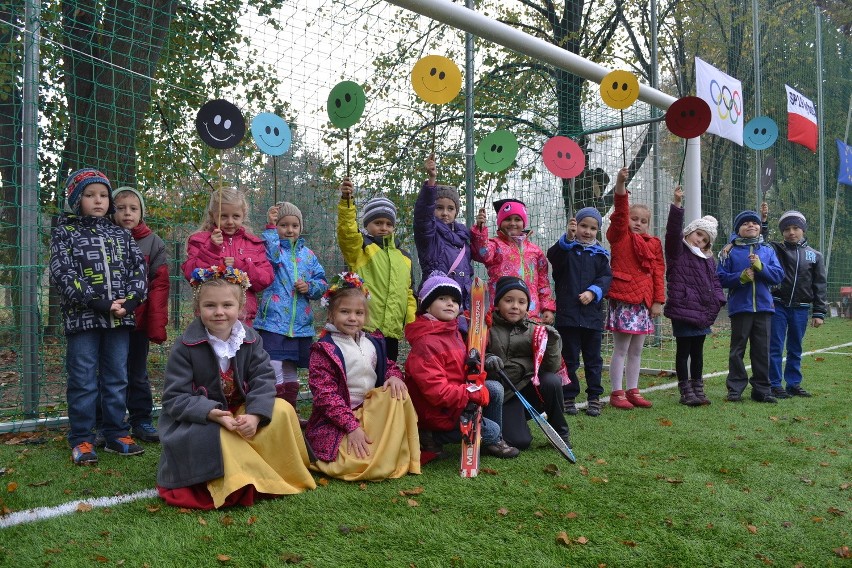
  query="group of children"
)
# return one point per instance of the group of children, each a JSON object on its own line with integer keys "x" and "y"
{"x": 229, "y": 430}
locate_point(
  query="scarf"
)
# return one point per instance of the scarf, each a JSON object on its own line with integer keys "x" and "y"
{"x": 643, "y": 251}
{"x": 140, "y": 231}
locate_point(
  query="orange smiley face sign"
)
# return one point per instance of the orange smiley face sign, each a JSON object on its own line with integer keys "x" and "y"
{"x": 436, "y": 79}
{"x": 619, "y": 89}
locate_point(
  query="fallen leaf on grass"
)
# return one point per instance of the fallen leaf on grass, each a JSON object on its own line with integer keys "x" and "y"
{"x": 412, "y": 503}
{"x": 807, "y": 481}
{"x": 817, "y": 519}
{"x": 562, "y": 538}
{"x": 836, "y": 512}
{"x": 362, "y": 486}
{"x": 322, "y": 481}
{"x": 539, "y": 514}
{"x": 153, "y": 508}
{"x": 845, "y": 486}
{"x": 794, "y": 440}
{"x": 673, "y": 480}
{"x": 598, "y": 479}
{"x": 227, "y": 520}
{"x": 752, "y": 529}
{"x": 202, "y": 521}
{"x": 101, "y": 559}
{"x": 251, "y": 520}
{"x": 551, "y": 469}
{"x": 843, "y": 552}
{"x": 824, "y": 464}
{"x": 223, "y": 557}
{"x": 820, "y": 359}
{"x": 600, "y": 461}
{"x": 502, "y": 511}
{"x": 415, "y": 491}
{"x": 84, "y": 508}
{"x": 583, "y": 470}
{"x": 489, "y": 471}
{"x": 39, "y": 483}
{"x": 571, "y": 515}
{"x": 629, "y": 543}
{"x": 665, "y": 422}
{"x": 581, "y": 540}
{"x": 290, "y": 558}
{"x": 764, "y": 559}
{"x": 11, "y": 487}
{"x": 786, "y": 524}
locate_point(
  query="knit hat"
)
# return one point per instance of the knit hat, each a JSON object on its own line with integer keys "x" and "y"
{"x": 77, "y": 182}
{"x": 287, "y": 209}
{"x": 379, "y": 208}
{"x": 438, "y": 284}
{"x": 744, "y": 216}
{"x": 589, "y": 212}
{"x": 449, "y": 192}
{"x": 792, "y": 218}
{"x": 708, "y": 224}
{"x": 128, "y": 189}
{"x": 507, "y": 207}
{"x": 507, "y": 284}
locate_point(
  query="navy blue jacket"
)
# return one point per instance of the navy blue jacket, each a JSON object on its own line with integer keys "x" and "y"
{"x": 577, "y": 268}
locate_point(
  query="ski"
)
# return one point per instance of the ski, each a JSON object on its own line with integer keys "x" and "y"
{"x": 471, "y": 418}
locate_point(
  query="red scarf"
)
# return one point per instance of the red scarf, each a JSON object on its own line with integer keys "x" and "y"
{"x": 140, "y": 231}
{"x": 643, "y": 251}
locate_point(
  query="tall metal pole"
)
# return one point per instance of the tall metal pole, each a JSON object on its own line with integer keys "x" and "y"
{"x": 821, "y": 132}
{"x": 836, "y": 197}
{"x": 469, "y": 161}
{"x": 757, "y": 98}
{"x": 655, "y": 147}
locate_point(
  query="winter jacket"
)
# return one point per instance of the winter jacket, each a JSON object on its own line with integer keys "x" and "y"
{"x": 804, "y": 282}
{"x": 749, "y": 297}
{"x": 332, "y": 417}
{"x": 191, "y": 451}
{"x": 92, "y": 263}
{"x": 695, "y": 295}
{"x": 385, "y": 268}
{"x": 439, "y": 244}
{"x": 638, "y": 269}
{"x": 576, "y": 269}
{"x": 507, "y": 256}
{"x": 435, "y": 373}
{"x": 512, "y": 342}
{"x": 153, "y": 314}
{"x": 249, "y": 253}
{"x": 282, "y": 310}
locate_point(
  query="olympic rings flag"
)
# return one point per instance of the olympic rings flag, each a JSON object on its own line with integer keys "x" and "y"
{"x": 723, "y": 94}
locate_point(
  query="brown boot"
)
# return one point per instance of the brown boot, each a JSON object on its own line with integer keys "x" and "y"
{"x": 698, "y": 389}
{"x": 618, "y": 400}
{"x": 635, "y": 398}
{"x": 687, "y": 396}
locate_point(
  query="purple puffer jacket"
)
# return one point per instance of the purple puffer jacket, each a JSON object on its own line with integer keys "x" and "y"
{"x": 439, "y": 244}
{"x": 695, "y": 294}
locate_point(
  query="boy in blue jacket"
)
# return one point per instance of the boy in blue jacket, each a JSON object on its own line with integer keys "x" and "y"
{"x": 748, "y": 268}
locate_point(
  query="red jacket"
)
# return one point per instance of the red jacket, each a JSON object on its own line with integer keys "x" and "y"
{"x": 434, "y": 373}
{"x": 249, "y": 252}
{"x": 638, "y": 268}
{"x": 152, "y": 315}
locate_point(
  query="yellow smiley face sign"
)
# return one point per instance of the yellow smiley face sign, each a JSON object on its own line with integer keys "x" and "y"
{"x": 436, "y": 79}
{"x": 619, "y": 89}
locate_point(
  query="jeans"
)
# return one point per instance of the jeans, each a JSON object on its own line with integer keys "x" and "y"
{"x": 792, "y": 323}
{"x": 492, "y": 419}
{"x": 89, "y": 353}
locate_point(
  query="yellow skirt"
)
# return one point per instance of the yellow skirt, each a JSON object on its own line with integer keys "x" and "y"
{"x": 391, "y": 424}
{"x": 274, "y": 461}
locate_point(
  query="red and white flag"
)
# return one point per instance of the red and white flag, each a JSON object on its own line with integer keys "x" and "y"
{"x": 801, "y": 119}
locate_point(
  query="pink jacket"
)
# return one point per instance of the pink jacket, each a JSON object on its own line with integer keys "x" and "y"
{"x": 502, "y": 256}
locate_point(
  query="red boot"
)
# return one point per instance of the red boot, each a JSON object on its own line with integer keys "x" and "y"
{"x": 618, "y": 400}
{"x": 636, "y": 399}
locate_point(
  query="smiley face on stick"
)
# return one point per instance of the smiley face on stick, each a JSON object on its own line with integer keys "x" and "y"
{"x": 346, "y": 103}
{"x": 497, "y": 151}
{"x": 563, "y": 157}
{"x": 619, "y": 89}
{"x": 436, "y": 79}
{"x": 271, "y": 134}
{"x": 220, "y": 124}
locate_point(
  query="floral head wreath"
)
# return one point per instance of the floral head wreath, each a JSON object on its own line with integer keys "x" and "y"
{"x": 228, "y": 273}
{"x": 342, "y": 281}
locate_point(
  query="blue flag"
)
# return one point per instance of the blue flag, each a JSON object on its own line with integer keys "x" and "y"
{"x": 844, "y": 170}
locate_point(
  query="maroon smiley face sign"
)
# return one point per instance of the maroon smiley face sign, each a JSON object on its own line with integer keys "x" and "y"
{"x": 563, "y": 157}
{"x": 688, "y": 117}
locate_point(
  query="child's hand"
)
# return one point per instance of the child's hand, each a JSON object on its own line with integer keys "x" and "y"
{"x": 587, "y": 297}
{"x": 346, "y": 189}
{"x": 272, "y": 215}
{"x": 397, "y": 388}
{"x": 431, "y": 169}
{"x": 816, "y": 322}
{"x": 572, "y": 228}
{"x": 747, "y": 276}
{"x": 755, "y": 262}
{"x": 117, "y": 309}
{"x": 547, "y": 317}
{"x": 247, "y": 425}
{"x": 621, "y": 181}
{"x": 678, "y": 196}
{"x": 301, "y": 286}
{"x": 480, "y": 218}
{"x": 223, "y": 418}
{"x": 228, "y": 260}
{"x": 359, "y": 443}
{"x": 656, "y": 309}
{"x": 216, "y": 237}
{"x": 764, "y": 211}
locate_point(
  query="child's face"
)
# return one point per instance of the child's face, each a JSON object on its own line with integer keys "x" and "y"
{"x": 445, "y": 210}
{"x": 288, "y": 227}
{"x": 444, "y": 308}
{"x": 699, "y": 239}
{"x": 512, "y": 225}
{"x": 219, "y": 308}
{"x": 587, "y": 230}
{"x": 380, "y": 227}
{"x": 95, "y": 200}
{"x": 640, "y": 219}
{"x": 513, "y": 306}
{"x": 232, "y": 217}
{"x": 349, "y": 315}
{"x": 128, "y": 210}
{"x": 793, "y": 234}
{"x": 749, "y": 229}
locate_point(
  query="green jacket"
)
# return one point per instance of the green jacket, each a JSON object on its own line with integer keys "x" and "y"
{"x": 385, "y": 269}
{"x": 513, "y": 344}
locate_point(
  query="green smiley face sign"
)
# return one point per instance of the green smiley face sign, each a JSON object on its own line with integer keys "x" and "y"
{"x": 346, "y": 103}
{"x": 497, "y": 151}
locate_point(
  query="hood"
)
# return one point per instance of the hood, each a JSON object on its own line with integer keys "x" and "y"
{"x": 422, "y": 326}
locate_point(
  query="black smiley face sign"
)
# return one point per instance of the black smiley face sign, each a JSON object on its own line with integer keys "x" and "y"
{"x": 220, "y": 124}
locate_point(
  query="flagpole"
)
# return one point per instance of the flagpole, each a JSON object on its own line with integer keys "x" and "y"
{"x": 837, "y": 196}
{"x": 820, "y": 133}
{"x": 757, "y": 96}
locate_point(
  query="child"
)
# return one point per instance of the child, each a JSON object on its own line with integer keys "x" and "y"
{"x": 151, "y": 316}
{"x": 511, "y": 253}
{"x": 436, "y": 377}
{"x": 100, "y": 275}
{"x": 222, "y": 239}
{"x": 636, "y": 295}
{"x": 363, "y": 426}
{"x": 284, "y": 320}
{"x": 695, "y": 296}
{"x": 748, "y": 268}
{"x": 582, "y": 275}
{"x": 801, "y": 291}
{"x": 226, "y": 439}
{"x": 385, "y": 267}
{"x": 443, "y": 244}
{"x": 510, "y": 349}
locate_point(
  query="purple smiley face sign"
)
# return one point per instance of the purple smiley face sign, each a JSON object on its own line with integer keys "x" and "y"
{"x": 563, "y": 157}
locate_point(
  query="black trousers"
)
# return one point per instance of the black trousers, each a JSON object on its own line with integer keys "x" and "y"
{"x": 577, "y": 340}
{"x": 516, "y": 430}
{"x": 751, "y": 329}
{"x": 689, "y": 357}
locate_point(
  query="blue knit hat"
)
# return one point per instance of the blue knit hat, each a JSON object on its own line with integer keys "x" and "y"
{"x": 744, "y": 216}
{"x": 792, "y": 218}
{"x": 589, "y": 212}
{"x": 508, "y": 283}
{"x": 77, "y": 182}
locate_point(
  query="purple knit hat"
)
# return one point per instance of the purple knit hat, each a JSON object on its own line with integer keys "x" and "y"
{"x": 438, "y": 284}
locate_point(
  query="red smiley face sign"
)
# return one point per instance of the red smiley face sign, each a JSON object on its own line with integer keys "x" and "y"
{"x": 688, "y": 117}
{"x": 563, "y": 157}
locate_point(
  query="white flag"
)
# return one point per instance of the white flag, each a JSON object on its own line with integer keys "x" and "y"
{"x": 724, "y": 95}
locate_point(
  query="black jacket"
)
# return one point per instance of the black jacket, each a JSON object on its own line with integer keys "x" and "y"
{"x": 576, "y": 269}
{"x": 804, "y": 283}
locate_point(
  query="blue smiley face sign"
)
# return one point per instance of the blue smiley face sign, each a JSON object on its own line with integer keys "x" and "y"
{"x": 271, "y": 133}
{"x": 760, "y": 133}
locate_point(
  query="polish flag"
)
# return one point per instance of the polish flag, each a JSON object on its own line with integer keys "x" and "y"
{"x": 801, "y": 119}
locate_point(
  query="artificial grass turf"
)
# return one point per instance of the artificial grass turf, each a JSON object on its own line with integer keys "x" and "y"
{"x": 731, "y": 484}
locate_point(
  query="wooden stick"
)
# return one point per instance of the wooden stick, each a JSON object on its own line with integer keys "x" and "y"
{"x": 347, "y": 162}
{"x": 275, "y": 179}
{"x": 623, "y": 143}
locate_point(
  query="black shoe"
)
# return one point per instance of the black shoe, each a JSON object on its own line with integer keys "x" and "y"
{"x": 797, "y": 391}
{"x": 780, "y": 393}
{"x": 761, "y": 397}
{"x": 146, "y": 432}
{"x": 501, "y": 450}
{"x": 594, "y": 407}
{"x": 734, "y": 397}
{"x": 569, "y": 407}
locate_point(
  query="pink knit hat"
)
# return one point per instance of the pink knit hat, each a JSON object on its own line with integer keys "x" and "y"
{"x": 507, "y": 207}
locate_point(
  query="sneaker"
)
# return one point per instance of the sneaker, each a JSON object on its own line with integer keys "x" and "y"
{"x": 146, "y": 432}
{"x": 761, "y": 397}
{"x": 569, "y": 407}
{"x": 100, "y": 441}
{"x": 594, "y": 407}
{"x": 124, "y": 446}
{"x": 501, "y": 450}
{"x": 779, "y": 393}
{"x": 734, "y": 397}
{"x": 84, "y": 454}
{"x": 797, "y": 391}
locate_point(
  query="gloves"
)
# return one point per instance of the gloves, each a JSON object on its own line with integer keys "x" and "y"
{"x": 131, "y": 305}
{"x": 102, "y": 306}
{"x": 493, "y": 364}
{"x": 480, "y": 397}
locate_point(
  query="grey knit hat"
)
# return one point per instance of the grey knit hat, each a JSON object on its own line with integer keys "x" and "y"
{"x": 379, "y": 208}
{"x": 449, "y": 192}
{"x": 790, "y": 218}
{"x": 128, "y": 189}
{"x": 285, "y": 208}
